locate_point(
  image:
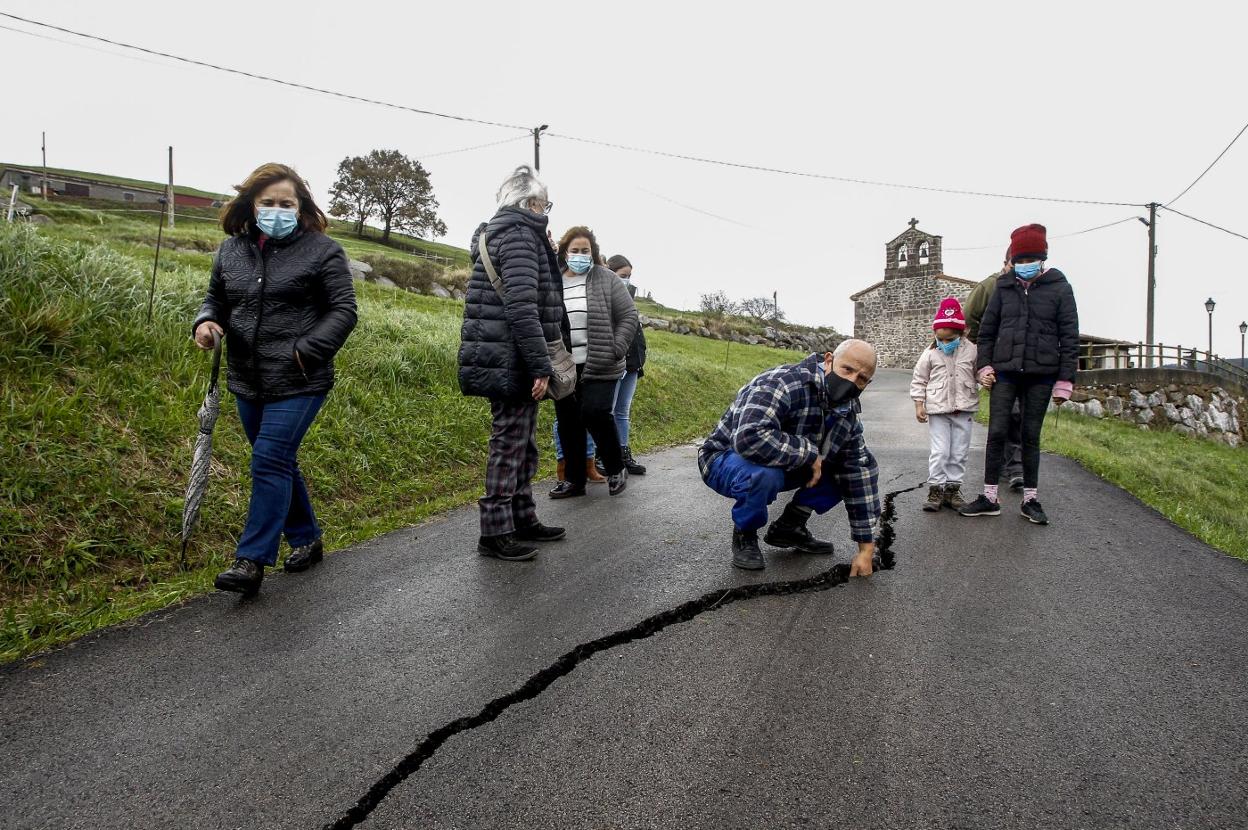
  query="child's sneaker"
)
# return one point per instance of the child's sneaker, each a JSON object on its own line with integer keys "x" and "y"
{"x": 953, "y": 496}
{"x": 1033, "y": 512}
{"x": 935, "y": 498}
{"x": 982, "y": 507}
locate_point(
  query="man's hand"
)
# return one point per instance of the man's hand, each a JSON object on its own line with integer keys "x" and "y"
{"x": 862, "y": 564}
{"x": 203, "y": 334}
{"x": 818, "y": 471}
{"x": 920, "y": 411}
{"x": 988, "y": 377}
{"x": 539, "y": 388}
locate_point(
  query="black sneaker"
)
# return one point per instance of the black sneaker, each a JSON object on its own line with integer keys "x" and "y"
{"x": 617, "y": 482}
{"x": 745, "y": 552}
{"x": 504, "y": 547}
{"x": 797, "y": 537}
{"x": 630, "y": 463}
{"x": 567, "y": 490}
{"x": 982, "y": 507}
{"x": 538, "y": 532}
{"x": 1016, "y": 484}
{"x": 243, "y": 577}
{"x": 304, "y": 557}
{"x": 1033, "y": 512}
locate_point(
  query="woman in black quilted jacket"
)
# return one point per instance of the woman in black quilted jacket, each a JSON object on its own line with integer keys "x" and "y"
{"x": 281, "y": 295}
{"x": 503, "y": 357}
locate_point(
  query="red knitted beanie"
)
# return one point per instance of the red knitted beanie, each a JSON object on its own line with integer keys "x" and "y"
{"x": 1029, "y": 241}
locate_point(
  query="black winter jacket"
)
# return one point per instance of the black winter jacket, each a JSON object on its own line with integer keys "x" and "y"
{"x": 296, "y": 293}
{"x": 503, "y": 344}
{"x": 636, "y": 360}
{"x": 1031, "y": 329}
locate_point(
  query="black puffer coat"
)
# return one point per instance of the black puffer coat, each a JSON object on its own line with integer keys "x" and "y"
{"x": 1032, "y": 329}
{"x": 296, "y": 293}
{"x": 503, "y": 345}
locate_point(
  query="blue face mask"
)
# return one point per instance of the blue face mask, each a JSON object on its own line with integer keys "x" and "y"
{"x": 276, "y": 222}
{"x": 951, "y": 346}
{"x": 1028, "y": 271}
{"x": 579, "y": 263}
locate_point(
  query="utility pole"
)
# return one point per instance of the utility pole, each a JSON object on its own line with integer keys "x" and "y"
{"x": 537, "y": 147}
{"x": 775, "y": 306}
{"x": 43, "y": 186}
{"x": 13, "y": 204}
{"x": 169, "y": 190}
{"x": 1152, "y": 277}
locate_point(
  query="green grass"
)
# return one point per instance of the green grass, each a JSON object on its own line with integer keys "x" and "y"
{"x": 97, "y": 418}
{"x": 1199, "y": 485}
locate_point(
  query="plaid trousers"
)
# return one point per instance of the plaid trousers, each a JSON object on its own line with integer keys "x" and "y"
{"x": 508, "y": 501}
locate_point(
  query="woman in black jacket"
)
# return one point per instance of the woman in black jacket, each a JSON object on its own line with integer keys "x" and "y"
{"x": 503, "y": 357}
{"x": 1028, "y": 352}
{"x": 281, "y": 295}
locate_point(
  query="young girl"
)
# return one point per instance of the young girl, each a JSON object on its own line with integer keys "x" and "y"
{"x": 1028, "y": 352}
{"x": 946, "y": 397}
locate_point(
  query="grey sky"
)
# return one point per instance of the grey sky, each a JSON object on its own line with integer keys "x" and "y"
{"x": 1110, "y": 101}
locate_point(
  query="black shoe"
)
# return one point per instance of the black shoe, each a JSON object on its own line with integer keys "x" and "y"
{"x": 602, "y": 471}
{"x": 304, "y": 557}
{"x": 567, "y": 490}
{"x": 243, "y": 577}
{"x": 617, "y": 482}
{"x": 982, "y": 507}
{"x": 1033, "y": 512}
{"x": 538, "y": 532}
{"x": 786, "y": 534}
{"x": 935, "y": 498}
{"x": 504, "y": 547}
{"x": 630, "y": 463}
{"x": 745, "y": 552}
{"x": 1016, "y": 484}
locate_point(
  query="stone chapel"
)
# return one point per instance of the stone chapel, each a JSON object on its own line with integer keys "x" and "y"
{"x": 896, "y": 313}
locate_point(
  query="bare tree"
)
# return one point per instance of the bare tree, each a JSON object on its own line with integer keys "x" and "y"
{"x": 761, "y": 308}
{"x": 717, "y": 304}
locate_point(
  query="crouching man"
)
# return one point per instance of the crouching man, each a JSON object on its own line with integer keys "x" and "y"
{"x": 796, "y": 427}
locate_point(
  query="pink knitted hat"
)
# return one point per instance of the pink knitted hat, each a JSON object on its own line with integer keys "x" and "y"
{"x": 949, "y": 316}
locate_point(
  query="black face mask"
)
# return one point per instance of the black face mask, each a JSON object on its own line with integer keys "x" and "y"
{"x": 840, "y": 391}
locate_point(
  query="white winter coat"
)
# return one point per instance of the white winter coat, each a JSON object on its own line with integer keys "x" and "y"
{"x": 946, "y": 383}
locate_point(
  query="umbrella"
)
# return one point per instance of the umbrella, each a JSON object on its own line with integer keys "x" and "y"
{"x": 198, "y": 483}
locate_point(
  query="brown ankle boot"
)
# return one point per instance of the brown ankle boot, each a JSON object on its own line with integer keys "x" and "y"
{"x": 561, "y": 471}
{"x": 591, "y": 473}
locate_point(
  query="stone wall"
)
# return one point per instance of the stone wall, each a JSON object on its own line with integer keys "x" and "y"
{"x": 897, "y": 316}
{"x": 1199, "y": 410}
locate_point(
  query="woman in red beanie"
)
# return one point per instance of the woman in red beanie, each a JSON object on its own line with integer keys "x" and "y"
{"x": 1028, "y": 352}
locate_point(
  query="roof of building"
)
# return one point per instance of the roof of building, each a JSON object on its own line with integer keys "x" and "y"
{"x": 945, "y": 277}
{"x": 118, "y": 181}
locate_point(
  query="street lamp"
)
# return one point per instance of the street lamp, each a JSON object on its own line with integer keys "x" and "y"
{"x": 1243, "y": 329}
{"x": 1209, "y": 304}
{"x": 537, "y": 147}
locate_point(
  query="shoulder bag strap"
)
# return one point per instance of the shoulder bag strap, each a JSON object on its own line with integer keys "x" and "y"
{"x": 495, "y": 280}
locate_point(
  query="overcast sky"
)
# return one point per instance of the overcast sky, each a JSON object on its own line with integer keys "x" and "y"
{"x": 1105, "y": 101}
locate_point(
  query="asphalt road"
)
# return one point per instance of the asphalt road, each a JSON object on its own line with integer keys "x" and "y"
{"x": 1090, "y": 674}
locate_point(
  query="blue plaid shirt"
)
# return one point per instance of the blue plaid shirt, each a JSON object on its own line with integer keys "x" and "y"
{"x": 781, "y": 419}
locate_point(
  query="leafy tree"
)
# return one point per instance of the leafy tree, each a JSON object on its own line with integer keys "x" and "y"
{"x": 350, "y": 197}
{"x": 390, "y": 187}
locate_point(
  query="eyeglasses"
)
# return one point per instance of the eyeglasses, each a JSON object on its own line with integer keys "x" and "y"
{"x": 546, "y": 210}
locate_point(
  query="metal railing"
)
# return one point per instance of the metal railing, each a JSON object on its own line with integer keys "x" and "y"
{"x": 1093, "y": 356}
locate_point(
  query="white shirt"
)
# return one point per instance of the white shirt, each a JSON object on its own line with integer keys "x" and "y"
{"x": 578, "y": 315}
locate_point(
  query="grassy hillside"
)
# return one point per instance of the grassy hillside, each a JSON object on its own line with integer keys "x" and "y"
{"x": 97, "y": 418}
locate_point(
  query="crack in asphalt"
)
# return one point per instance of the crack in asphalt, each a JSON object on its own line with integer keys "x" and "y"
{"x": 836, "y": 575}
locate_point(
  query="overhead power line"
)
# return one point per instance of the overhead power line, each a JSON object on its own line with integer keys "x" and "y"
{"x": 474, "y": 147}
{"x": 1057, "y": 236}
{"x": 1210, "y": 167}
{"x": 466, "y": 119}
{"x": 206, "y": 65}
{"x": 1203, "y": 222}
{"x": 846, "y": 179}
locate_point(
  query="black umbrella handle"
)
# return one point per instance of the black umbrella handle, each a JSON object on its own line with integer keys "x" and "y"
{"x": 216, "y": 361}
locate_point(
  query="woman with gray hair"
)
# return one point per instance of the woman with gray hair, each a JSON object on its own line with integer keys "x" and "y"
{"x": 503, "y": 357}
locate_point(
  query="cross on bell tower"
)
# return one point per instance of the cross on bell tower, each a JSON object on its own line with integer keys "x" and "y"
{"x": 913, "y": 223}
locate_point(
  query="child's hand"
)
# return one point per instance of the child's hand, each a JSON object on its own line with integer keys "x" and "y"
{"x": 920, "y": 412}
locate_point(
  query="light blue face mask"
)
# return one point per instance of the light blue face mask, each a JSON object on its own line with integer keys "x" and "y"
{"x": 1028, "y": 271}
{"x": 951, "y": 346}
{"x": 276, "y": 222}
{"x": 579, "y": 263}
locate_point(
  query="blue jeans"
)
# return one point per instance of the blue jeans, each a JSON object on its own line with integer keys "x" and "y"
{"x": 624, "y": 391}
{"x": 591, "y": 447}
{"x": 754, "y": 486}
{"x": 279, "y": 498}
